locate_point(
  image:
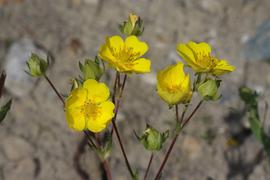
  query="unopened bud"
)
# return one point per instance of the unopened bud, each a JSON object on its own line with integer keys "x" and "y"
{"x": 134, "y": 26}
{"x": 152, "y": 139}
{"x": 91, "y": 69}
{"x": 209, "y": 89}
{"x": 37, "y": 66}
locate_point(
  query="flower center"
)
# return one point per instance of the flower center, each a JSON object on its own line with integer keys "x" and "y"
{"x": 206, "y": 61}
{"x": 173, "y": 88}
{"x": 90, "y": 110}
{"x": 125, "y": 54}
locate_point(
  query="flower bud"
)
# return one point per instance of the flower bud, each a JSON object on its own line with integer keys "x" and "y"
{"x": 152, "y": 139}
{"x": 134, "y": 26}
{"x": 91, "y": 69}
{"x": 209, "y": 89}
{"x": 37, "y": 66}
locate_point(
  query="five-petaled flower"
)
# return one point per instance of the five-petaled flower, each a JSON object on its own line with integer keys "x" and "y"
{"x": 173, "y": 85}
{"x": 88, "y": 107}
{"x": 125, "y": 56}
{"x": 199, "y": 58}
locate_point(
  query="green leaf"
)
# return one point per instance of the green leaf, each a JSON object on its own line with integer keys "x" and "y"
{"x": 250, "y": 98}
{"x": 4, "y": 110}
{"x": 255, "y": 124}
{"x": 266, "y": 143}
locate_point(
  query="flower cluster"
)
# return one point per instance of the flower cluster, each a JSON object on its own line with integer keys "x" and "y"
{"x": 174, "y": 85}
{"x": 90, "y": 107}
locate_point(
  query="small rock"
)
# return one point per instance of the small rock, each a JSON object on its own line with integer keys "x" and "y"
{"x": 18, "y": 82}
{"x": 16, "y": 148}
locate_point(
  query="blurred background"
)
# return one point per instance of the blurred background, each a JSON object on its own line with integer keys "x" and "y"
{"x": 35, "y": 141}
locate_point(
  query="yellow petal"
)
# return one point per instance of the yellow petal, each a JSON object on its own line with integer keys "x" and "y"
{"x": 185, "y": 52}
{"x": 115, "y": 42}
{"x": 174, "y": 98}
{"x": 138, "y": 47}
{"x": 75, "y": 119}
{"x": 172, "y": 74}
{"x": 102, "y": 120}
{"x": 141, "y": 65}
{"x": 201, "y": 48}
{"x": 97, "y": 92}
{"x": 173, "y": 86}
{"x": 105, "y": 53}
{"x": 223, "y": 67}
{"x": 76, "y": 98}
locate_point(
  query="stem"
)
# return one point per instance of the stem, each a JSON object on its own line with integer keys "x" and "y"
{"x": 2, "y": 82}
{"x": 191, "y": 115}
{"x": 122, "y": 149}
{"x": 107, "y": 169}
{"x": 117, "y": 101}
{"x": 148, "y": 167}
{"x": 55, "y": 90}
{"x": 177, "y": 113}
{"x": 115, "y": 86}
{"x": 183, "y": 114}
{"x": 104, "y": 162}
{"x": 117, "y": 80}
{"x": 174, "y": 140}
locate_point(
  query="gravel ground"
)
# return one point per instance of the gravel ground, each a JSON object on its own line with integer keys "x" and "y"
{"x": 35, "y": 142}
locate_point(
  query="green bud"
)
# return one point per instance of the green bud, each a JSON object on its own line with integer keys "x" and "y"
{"x": 37, "y": 66}
{"x": 209, "y": 89}
{"x": 91, "y": 69}
{"x": 152, "y": 139}
{"x": 134, "y": 26}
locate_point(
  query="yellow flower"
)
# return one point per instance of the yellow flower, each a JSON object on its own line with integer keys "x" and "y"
{"x": 173, "y": 85}
{"x": 124, "y": 56}
{"x": 88, "y": 107}
{"x": 198, "y": 57}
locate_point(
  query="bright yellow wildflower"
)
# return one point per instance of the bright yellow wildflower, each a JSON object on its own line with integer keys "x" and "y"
{"x": 124, "y": 56}
{"x": 173, "y": 85}
{"x": 199, "y": 58}
{"x": 88, "y": 107}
